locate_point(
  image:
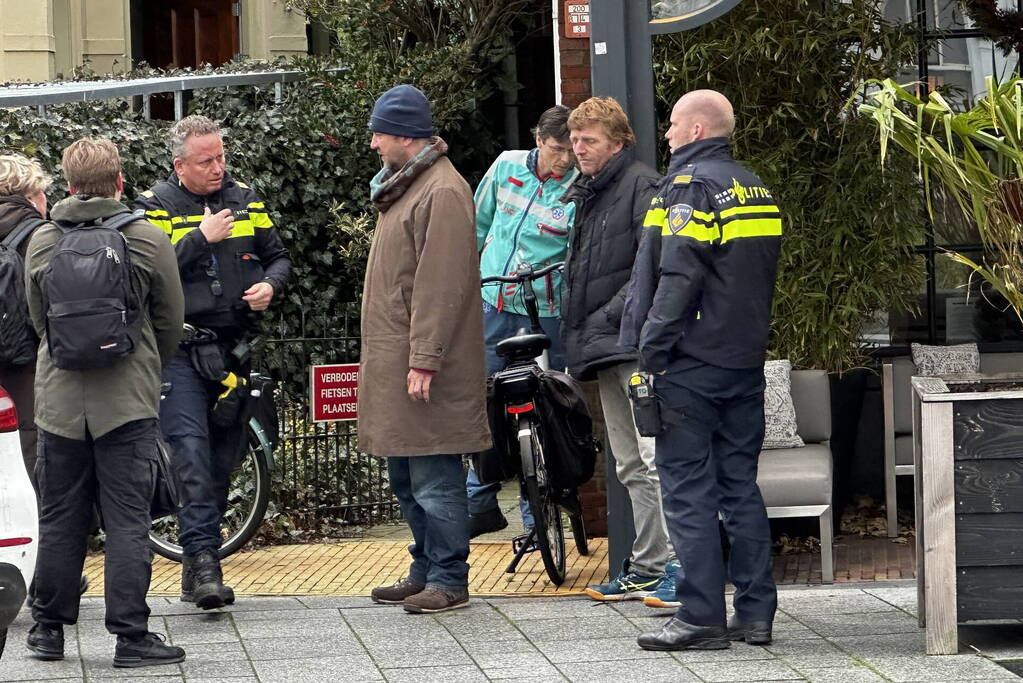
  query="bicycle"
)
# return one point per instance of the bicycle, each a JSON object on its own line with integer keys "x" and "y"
{"x": 517, "y": 389}
{"x": 248, "y": 491}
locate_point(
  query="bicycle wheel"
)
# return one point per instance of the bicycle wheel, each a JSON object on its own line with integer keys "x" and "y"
{"x": 248, "y": 494}
{"x": 582, "y": 546}
{"x": 550, "y": 534}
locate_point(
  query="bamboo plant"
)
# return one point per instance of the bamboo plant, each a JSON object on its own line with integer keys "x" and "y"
{"x": 974, "y": 157}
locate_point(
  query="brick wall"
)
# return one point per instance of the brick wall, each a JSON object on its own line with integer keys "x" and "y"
{"x": 575, "y": 67}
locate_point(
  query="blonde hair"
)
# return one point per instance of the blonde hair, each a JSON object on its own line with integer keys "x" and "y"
{"x": 91, "y": 166}
{"x": 605, "y": 111}
{"x": 22, "y": 176}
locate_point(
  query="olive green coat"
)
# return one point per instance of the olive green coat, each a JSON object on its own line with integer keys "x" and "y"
{"x": 422, "y": 309}
{"x": 69, "y": 402}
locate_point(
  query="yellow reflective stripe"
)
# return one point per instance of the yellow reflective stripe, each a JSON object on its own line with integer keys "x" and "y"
{"x": 256, "y": 205}
{"x": 705, "y": 217}
{"x": 655, "y": 218}
{"x": 740, "y": 210}
{"x": 156, "y": 213}
{"x": 752, "y": 227}
{"x": 179, "y": 233}
{"x": 261, "y": 220}
{"x": 696, "y": 231}
{"x": 243, "y": 229}
{"x": 163, "y": 225}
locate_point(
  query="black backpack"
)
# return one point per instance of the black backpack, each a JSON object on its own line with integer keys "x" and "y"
{"x": 17, "y": 338}
{"x": 92, "y": 313}
{"x": 571, "y": 451}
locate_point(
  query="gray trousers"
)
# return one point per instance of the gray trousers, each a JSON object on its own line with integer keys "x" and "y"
{"x": 634, "y": 465}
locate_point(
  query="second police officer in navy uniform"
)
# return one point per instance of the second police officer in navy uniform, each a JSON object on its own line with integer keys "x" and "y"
{"x": 698, "y": 310}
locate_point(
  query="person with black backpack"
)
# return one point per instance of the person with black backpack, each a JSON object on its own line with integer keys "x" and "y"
{"x": 105, "y": 299}
{"x": 23, "y": 185}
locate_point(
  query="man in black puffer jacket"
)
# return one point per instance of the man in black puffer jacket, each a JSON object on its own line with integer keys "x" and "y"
{"x": 611, "y": 197}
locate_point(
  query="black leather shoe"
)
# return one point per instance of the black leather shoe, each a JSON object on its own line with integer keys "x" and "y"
{"x": 753, "y": 632}
{"x": 208, "y": 586}
{"x": 486, "y": 522}
{"x": 188, "y": 585}
{"x": 149, "y": 650}
{"x": 46, "y": 642}
{"x": 678, "y": 635}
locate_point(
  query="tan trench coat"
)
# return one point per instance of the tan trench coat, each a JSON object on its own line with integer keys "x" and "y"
{"x": 421, "y": 308}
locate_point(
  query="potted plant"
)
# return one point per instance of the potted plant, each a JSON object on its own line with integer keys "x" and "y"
{"x": 968, "y": 429}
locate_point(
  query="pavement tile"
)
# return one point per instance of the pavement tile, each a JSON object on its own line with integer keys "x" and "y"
{"x": 246, "y": 604}
{"x": 758, "y": 670}
{"x": 806, "y": 646}
{"x": 321, "y": 628}
{"x": 287, "y": 615}
{"x": 96, "y": 668}
{"x": 538, "y": 630}
{"x": 439, "y": 674}
{"x": 596, "y": 650}
{"x": 504, "y": 654}
{"x": 259, "y": 649}
{"x": 852, "y": 603}
{"x": 17, "y": 665}
{"x": 858, "y": 674}
{"x": 873, "y": 624}
{"x": 229, "y": 668}
{"x": 215, "y": 652}
{"x": 338, "y": 601}
{"x": 523, "y": 673}
{"x": 550, "y": 608}
{"x": 405, "y": 655}
{"x": 636, "y": 608}
{"x": 628, "y": 670}
{"x": 892, "y": 645}
{"x": 485, "y": 628}
{"x": 240, "y": 679}
{"x": 350, "y": 669}
{"x": 201, "y": 628}
{"x": 943, "y": 668}
{"x": 739, "y": 652}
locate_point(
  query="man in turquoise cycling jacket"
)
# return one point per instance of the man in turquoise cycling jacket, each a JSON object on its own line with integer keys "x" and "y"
{"x": 520, "y": 220}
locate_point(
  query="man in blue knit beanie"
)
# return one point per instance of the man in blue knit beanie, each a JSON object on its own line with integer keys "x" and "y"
{"x": 422, "y": 388}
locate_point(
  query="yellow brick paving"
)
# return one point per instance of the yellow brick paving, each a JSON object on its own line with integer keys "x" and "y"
{"x": 355, "y": 567}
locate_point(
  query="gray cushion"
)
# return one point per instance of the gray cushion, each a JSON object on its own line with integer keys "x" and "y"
{"x": 796, "y": 476}
{"x": 902, "y": 393}
{"x": 904, "y": 449}
{"x": 931, "y": 361}
{"x": 811, "y": 396}
{"x": 780, "y": 427}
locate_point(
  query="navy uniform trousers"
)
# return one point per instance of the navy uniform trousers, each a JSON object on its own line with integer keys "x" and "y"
{"x": 707, "y": 462}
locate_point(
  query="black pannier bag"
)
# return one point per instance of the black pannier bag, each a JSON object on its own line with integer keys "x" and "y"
{"x": 501, "y": 462}
{"x": 569, "y": 448}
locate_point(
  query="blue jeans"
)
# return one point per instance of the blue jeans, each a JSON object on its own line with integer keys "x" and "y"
{"x": 431, "y": 494}
{"x": 498, "y": 326}
{"x": 707, "y": 461}
{"x": 203, "y": 455}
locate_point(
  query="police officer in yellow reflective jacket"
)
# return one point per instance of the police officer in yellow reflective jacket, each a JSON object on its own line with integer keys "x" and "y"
{"x": 232, "y": 264}
{"x": 698, "y": 310}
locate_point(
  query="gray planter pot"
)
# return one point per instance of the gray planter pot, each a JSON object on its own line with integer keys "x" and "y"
{"x": 968, "y": 455}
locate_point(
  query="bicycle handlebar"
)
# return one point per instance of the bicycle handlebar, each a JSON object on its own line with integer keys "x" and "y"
{"x": 527, "y": 276}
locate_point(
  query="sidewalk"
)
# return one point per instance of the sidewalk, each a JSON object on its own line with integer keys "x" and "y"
{"x": 845, "y": 635}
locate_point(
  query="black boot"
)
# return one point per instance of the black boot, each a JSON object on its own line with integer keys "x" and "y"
{"x": 486, "y": 522}
{"x": 188, "y": 584}
{"x": 207, "y": 580}
{"x": 678, "y": 635}
{"x": 46, "y": 642}
{"x": 149, "y": 650}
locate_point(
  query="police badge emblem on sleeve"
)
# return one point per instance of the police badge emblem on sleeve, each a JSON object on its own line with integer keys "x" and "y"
{"x": 679, "y": 217}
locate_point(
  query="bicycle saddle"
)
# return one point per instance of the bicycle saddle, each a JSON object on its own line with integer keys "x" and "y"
{"x": 523, "y": 346}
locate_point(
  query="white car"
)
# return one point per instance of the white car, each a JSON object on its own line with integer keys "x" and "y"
{"x": 19, "y": 520}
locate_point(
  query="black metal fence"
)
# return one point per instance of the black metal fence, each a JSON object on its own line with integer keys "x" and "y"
{"x": 320, "y": 471}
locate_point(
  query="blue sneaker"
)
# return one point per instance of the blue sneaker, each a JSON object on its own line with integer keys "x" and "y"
{"x": 664, "y": 595}
{"x": 626, "y": 586}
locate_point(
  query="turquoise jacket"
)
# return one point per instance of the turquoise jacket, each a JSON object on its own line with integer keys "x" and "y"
{"x": 520, "y": 220}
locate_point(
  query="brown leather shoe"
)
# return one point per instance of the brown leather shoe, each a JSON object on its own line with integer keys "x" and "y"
{"x": 397, "y": 592}
{"x": 432, "y": 600}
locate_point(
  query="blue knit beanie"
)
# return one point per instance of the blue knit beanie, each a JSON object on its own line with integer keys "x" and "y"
{"x": 403, "y": 111}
